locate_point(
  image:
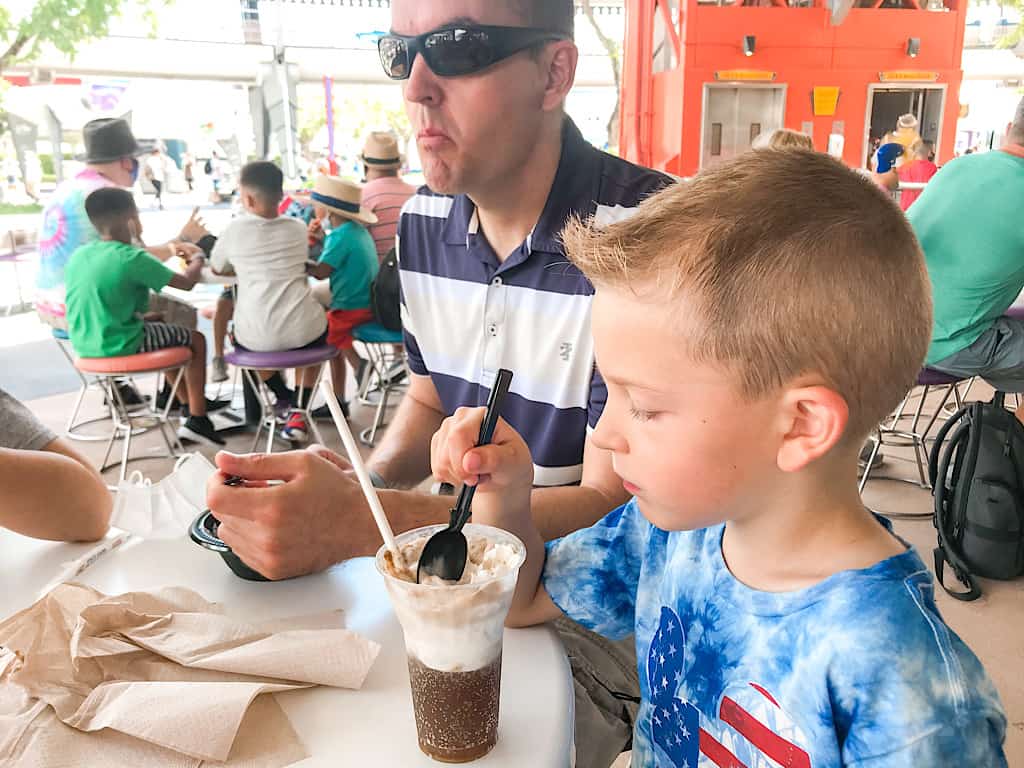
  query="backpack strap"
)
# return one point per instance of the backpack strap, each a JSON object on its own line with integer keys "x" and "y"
{"x": 940, "y": 437}
{"x": 945, "y": 552}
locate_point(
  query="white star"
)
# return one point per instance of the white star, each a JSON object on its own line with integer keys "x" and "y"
{"x": 664, "y": 682}
{"x": 686, "y": 764}
{"x": 656, "y": 720}
{"x": 679, "y": 677}
{"x": 675, "y": 707}
{"x": 671, "y": 650}
{"x": 686, "y": 733}
{"x": 661, "y": 659}
{"x": 671, "y": 626}
{"x": 678, "y": 740}
{"x": 664, "y": 713}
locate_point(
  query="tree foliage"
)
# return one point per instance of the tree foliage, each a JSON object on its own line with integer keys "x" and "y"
{"x": 63, "y": 24}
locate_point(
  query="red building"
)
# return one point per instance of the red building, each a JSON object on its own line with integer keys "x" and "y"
{"x": 701, "y": 80}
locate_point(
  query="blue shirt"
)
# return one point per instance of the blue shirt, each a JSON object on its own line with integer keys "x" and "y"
{"x": 465, "y": 314}
{"x": 349, "y": 249}
{"x": 858, "y": 670}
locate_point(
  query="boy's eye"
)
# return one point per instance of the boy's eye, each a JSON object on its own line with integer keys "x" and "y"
{"x": 641, "y": 415}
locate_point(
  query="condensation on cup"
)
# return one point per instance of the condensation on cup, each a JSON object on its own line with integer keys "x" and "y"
{"x": 453, "y": 634}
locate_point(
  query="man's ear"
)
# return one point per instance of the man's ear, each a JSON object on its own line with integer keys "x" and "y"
{"x": 561, "y": 57}
{"x": 814, "y": 421}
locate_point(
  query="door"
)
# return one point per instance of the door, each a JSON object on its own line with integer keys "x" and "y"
{"x": 736, "y": 115}
{"x": 888, "y": 104}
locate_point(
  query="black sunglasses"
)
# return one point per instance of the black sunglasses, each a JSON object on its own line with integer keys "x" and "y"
{"x": 459, "y": 49}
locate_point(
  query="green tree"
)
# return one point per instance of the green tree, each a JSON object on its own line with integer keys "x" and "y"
{"x": 63, "y": 24}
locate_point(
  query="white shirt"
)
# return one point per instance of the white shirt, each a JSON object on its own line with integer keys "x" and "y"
{"x": 156, "y": 167}
{"x": 275, "y": 309}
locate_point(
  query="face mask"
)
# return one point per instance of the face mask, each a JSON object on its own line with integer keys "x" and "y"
{"x": 164, "y": 510}
{"x": 135, "y": 170}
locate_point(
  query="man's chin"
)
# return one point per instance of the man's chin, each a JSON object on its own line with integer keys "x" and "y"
{"x": 440, "y": 179}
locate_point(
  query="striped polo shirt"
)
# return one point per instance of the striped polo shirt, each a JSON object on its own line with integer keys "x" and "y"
{"x": 466, "y": 315}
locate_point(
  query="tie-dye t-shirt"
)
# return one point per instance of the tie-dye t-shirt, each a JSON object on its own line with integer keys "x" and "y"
{"x": 858, "y": 670}
{"x": 65, "y": 227}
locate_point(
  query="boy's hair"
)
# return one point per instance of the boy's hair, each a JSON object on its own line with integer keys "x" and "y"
{"x": 793, "y": 264}
{"x": 109, "y": 206}
{"x": 783, "y": 138}
{"x": 264, "y": 179}
{"x": 555, "y": 15}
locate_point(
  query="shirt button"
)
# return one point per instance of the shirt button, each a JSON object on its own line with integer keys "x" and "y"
{"x": 496, "y": 281}
{"x": 492, "y": 329}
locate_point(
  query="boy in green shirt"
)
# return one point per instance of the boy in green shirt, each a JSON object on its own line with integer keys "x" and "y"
{"x": 108, "y": 283}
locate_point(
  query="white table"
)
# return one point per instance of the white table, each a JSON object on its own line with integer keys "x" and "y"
{"x": 371, "y": 726}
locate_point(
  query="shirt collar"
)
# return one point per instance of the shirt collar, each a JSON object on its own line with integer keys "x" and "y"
{"x": 574, "y": 190}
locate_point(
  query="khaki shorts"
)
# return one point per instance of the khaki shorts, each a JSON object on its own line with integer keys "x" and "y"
{"x": 997, "y": 357}
{"x": 607, "y": 693}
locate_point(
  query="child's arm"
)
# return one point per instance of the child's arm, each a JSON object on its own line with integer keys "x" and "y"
{"x": 503, "y": 472}
{"x": 319, "y": 270}
{"x": 187, "y": 281}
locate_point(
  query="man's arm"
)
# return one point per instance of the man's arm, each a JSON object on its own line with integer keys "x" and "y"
{"x": 403, "y": 457}
{"x": 318, "y": 270}
{"x": 52, "y": 494}
{"x": 560, "y": 511}
{"x": 188, "y": 280}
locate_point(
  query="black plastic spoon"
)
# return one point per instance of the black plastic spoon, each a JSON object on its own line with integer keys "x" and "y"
{"x": 445, "y": 552}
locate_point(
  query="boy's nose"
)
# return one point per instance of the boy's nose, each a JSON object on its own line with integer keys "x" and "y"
{"x": 606, "y": 437}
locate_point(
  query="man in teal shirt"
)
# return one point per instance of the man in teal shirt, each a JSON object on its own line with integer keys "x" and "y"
{"x": 967, "y": 222}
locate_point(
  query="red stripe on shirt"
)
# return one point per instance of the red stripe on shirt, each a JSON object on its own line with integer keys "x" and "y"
{"x": 716, "y": 752}
{"x": 762, "y": 737}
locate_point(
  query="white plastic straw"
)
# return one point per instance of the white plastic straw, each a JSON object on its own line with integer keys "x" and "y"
{"x": 356, "y": 460}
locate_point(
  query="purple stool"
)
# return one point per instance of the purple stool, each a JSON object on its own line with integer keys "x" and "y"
{"x": 250, "y": 363}
{"x": 1016, "y": 312}
{"x": 928, "y": 380}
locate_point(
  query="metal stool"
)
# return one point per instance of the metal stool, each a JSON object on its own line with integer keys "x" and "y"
{"x": 929, "y": 380}
{"x": 251, "y": 363}
{"x": 380, "y": 345}
{"x": 106, "y": 371}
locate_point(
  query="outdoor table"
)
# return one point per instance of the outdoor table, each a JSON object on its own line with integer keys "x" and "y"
{"x": 371, "y": 726}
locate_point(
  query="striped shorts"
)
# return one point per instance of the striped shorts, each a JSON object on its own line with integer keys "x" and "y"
{"x": 158, "y": 336}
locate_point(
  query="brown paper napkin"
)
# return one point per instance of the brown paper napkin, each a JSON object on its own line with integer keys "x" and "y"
{"x": 164, "y": 671}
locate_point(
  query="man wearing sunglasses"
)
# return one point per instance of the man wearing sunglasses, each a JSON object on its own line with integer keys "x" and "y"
{"x": 486, "y": 285}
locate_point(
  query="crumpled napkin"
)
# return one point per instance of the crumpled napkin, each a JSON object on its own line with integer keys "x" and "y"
{"x": 162, "y": 674}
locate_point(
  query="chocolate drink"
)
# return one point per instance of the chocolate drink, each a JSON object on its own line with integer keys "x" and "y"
{"x": 453, "y": 638}
{"x": 456, "y": 712}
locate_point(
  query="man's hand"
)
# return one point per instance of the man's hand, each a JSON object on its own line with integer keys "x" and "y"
{"x": 195, "y": 228}
{"x": 194, "y": 269}
{"x": 503, "y": 468}
{"x": 317, "y": 517}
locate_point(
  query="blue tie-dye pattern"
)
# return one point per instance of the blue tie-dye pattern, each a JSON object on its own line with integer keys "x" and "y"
{"x": 858, "y": 670}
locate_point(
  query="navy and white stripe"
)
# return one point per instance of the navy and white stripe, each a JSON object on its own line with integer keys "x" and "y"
{"x": 466, "y": 315}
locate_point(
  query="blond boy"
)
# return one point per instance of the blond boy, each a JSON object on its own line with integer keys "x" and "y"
{"x": 777, "y": 621}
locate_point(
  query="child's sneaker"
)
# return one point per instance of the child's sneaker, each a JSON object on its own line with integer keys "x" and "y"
{"x": 296, "y": 429}
{"x": 199, "y": 429}
{"x": 220, "y": 370}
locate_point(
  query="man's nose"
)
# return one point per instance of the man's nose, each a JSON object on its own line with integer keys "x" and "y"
{"x": 423, "y": 86}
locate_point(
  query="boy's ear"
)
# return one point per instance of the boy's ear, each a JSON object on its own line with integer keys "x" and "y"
{"x": 814, "y": 421}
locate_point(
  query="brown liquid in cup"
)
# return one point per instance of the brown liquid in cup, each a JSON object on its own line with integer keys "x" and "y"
{"x": 456, "y": 712}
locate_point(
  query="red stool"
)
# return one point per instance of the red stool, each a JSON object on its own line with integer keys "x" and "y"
{"x": 106, "y": 371}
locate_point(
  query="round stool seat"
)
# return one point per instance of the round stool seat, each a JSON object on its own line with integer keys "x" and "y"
{"x": 929, "y": 377}
{"x": 144, "y": 362}
{"x": 289, "y": 358}
{"x": 1016, "y": 312}
{"x": 375, "y": 333}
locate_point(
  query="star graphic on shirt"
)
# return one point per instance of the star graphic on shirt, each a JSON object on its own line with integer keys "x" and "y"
{"x": 655, "y": 719}
{"x": 665, "y": 714}
{"x": 686, "y": 733}
{"x": 661, "y": 659}
{"x": 664, "y": 684}
{"x": 671, "y": 650}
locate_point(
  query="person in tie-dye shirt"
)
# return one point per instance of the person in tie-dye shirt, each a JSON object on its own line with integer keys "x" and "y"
{"x": 777, "y": 622}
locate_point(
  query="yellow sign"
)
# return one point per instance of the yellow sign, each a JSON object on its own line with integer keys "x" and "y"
{"x": 903, "y": 76}
{"x": 826, "y": 98}
{"x": 745, "y": 75}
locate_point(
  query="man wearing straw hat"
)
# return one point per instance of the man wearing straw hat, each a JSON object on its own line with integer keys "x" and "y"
{"x": 384, "y": 192}
{"x": 349, "y": 260}
{"x": 486, "y": 285}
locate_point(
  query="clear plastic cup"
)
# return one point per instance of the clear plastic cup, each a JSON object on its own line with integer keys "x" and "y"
{"x": 453, "y": 635}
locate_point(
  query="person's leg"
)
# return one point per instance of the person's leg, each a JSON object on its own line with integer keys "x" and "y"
{"x": 221, "y": 318}
{"x": 607, "y": 693}
{"x": 997, "y": 356}
{"x": 195, "y": 375}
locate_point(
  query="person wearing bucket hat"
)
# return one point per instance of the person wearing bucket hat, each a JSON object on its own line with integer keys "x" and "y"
{"x": 111, "y": 160}
{"x": 384, "y": 192}
{"x": 349, "y": 261}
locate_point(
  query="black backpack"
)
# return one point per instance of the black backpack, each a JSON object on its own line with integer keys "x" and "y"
{"x": 386, "y": 294}
{"x": 978, "y": 484}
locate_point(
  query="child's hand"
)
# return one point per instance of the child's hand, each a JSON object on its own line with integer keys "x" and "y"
{"x": 316, "y": 230}
{"x": 505, "y": 464}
